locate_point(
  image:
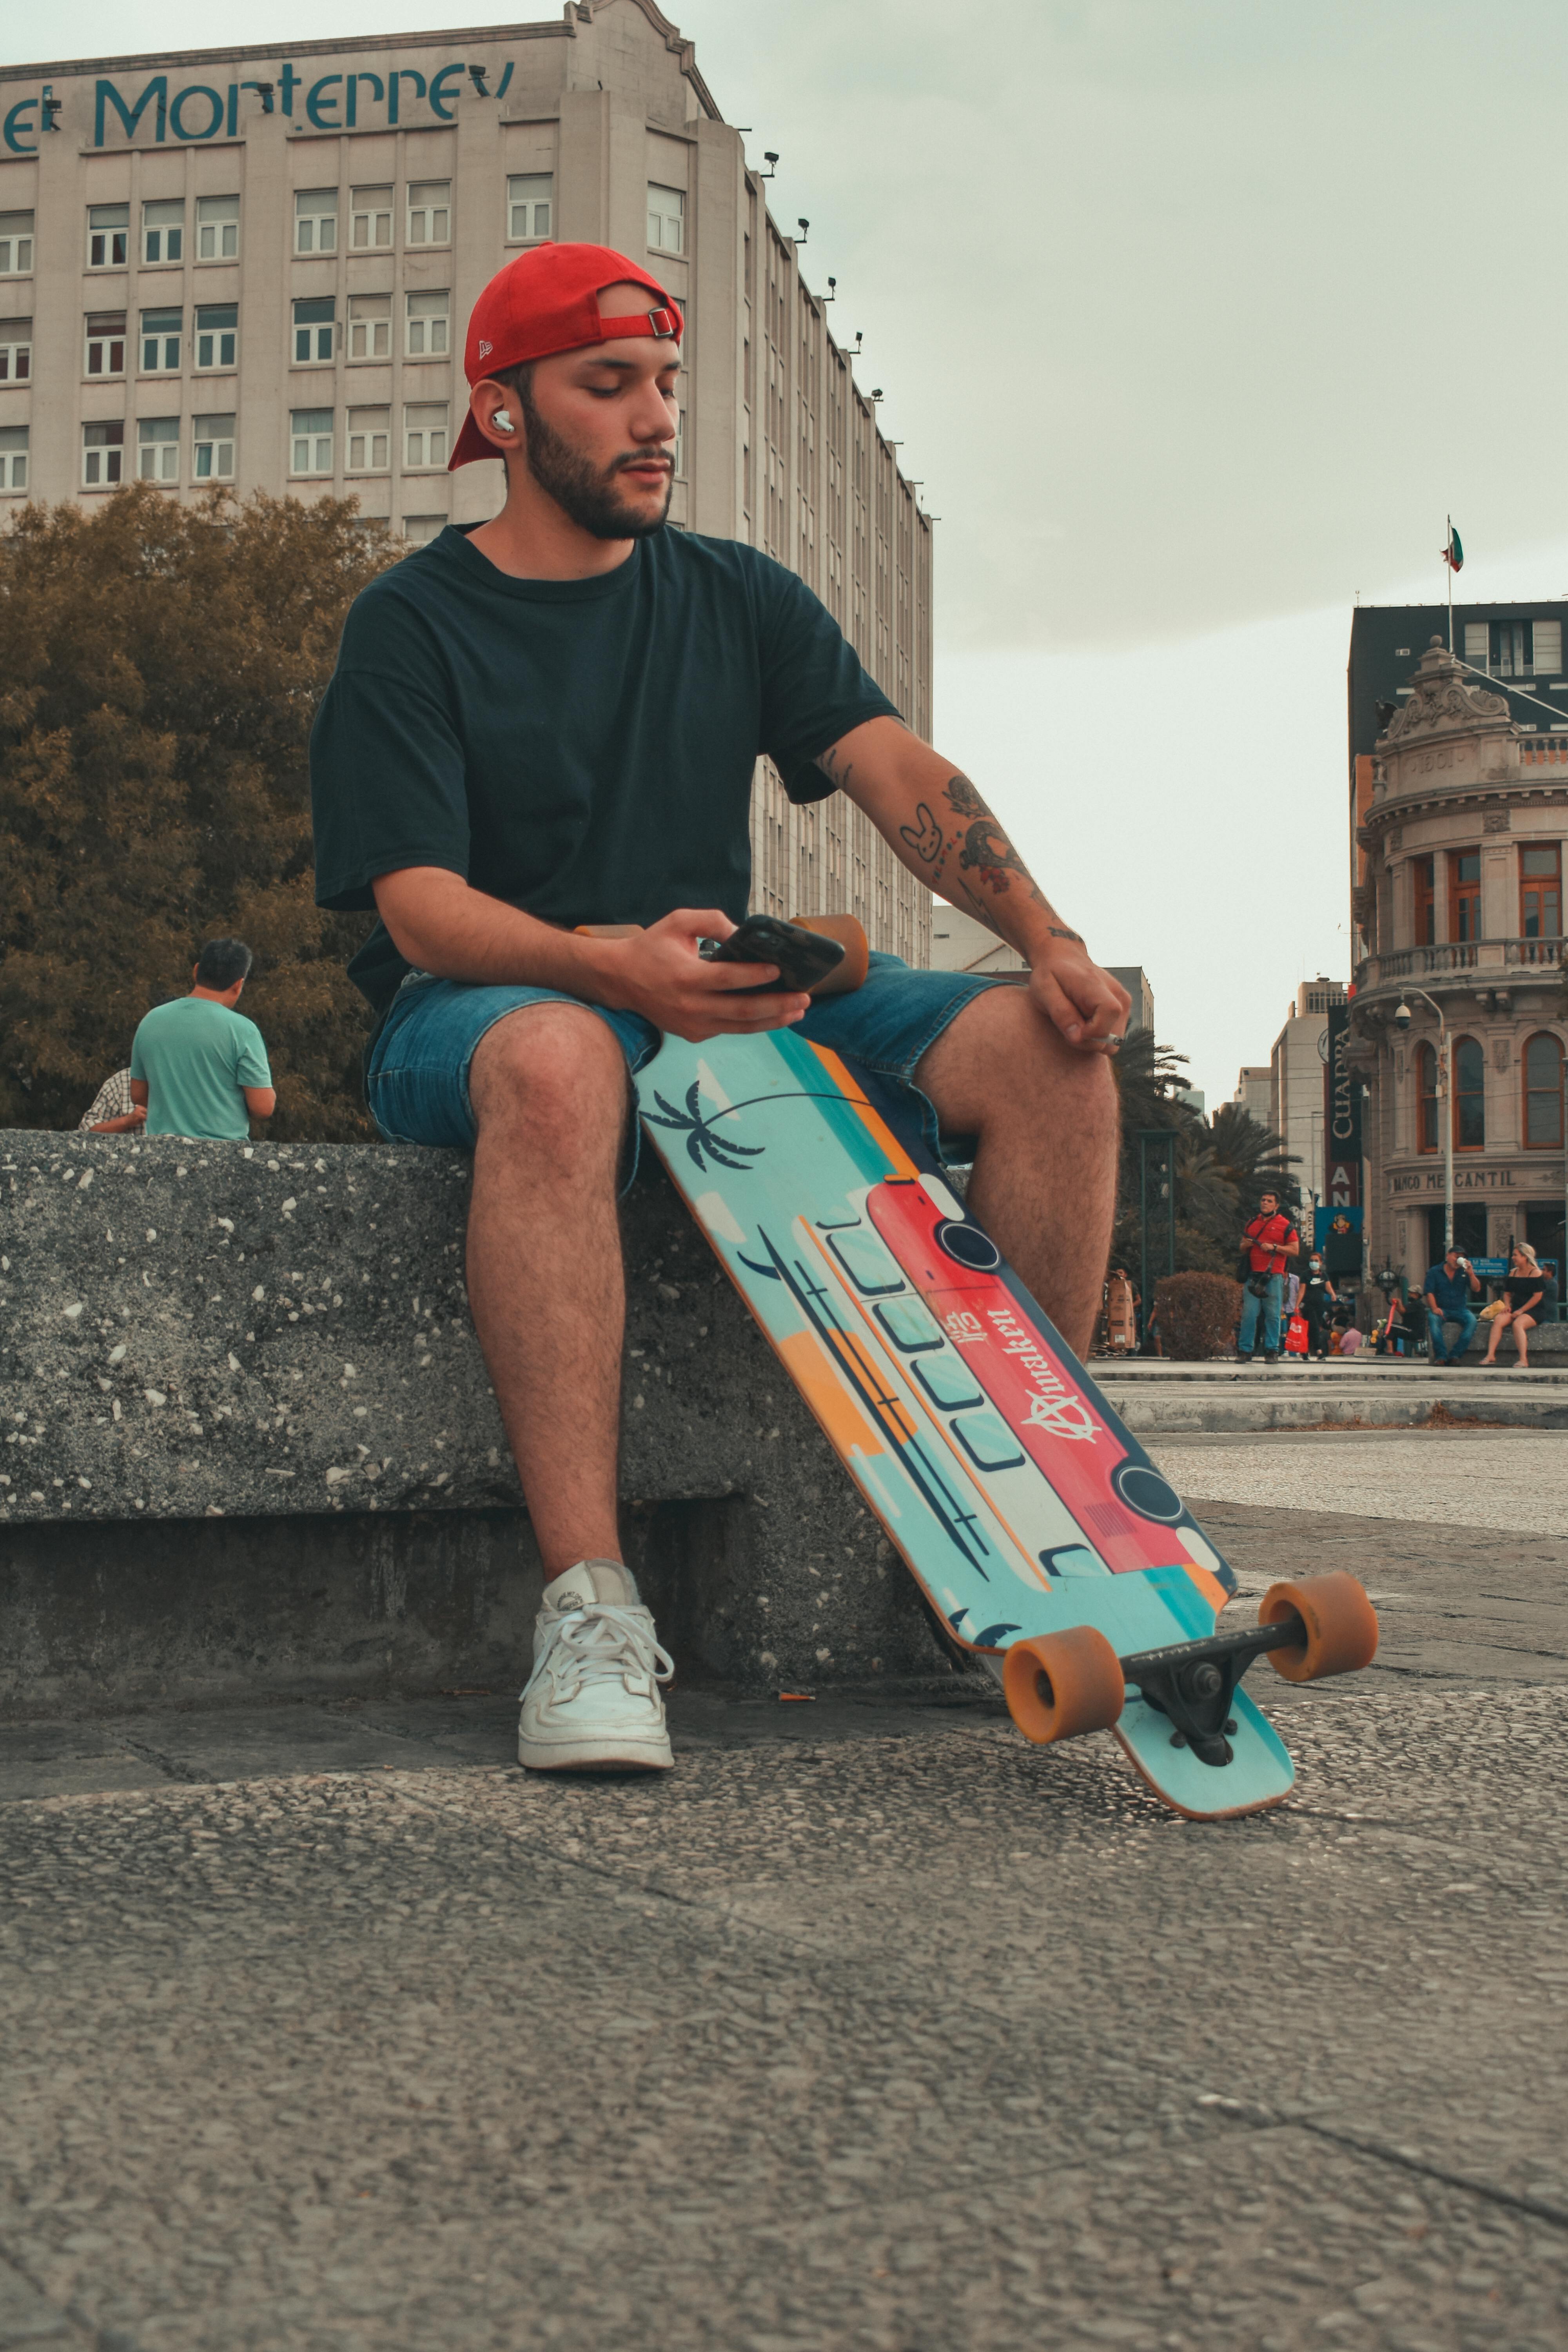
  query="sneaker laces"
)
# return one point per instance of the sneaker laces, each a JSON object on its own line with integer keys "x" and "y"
{"x": 597, "y": 1643}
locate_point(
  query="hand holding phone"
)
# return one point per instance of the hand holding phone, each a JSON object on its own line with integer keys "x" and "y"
{"x": 804, "y": 958}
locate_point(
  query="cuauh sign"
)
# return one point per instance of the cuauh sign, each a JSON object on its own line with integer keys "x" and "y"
{"x": 153, "y": 115}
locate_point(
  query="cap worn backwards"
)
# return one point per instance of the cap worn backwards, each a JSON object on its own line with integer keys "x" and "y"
{"x": 547, "y": 300}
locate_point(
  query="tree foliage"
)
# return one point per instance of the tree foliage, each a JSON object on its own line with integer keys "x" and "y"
{"x": 163, "y": 667}
{"x": 1222, "y": 1164}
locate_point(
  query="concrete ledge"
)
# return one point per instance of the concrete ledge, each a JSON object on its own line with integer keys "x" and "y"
{"x": 1161, "y": 1399}
{"x": 249, "y": 1443}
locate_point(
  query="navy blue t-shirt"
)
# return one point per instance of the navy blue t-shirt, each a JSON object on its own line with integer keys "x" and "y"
{"x": 582, "y": 749}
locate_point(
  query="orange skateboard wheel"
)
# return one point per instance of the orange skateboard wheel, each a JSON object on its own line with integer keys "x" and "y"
{"x": 851, "y": 974}
{"x": 1341, "y": 1622}
{"x": 1058, "y": 1685}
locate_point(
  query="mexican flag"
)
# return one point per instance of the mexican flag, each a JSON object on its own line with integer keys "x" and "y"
{"x": 1454, "y": 553}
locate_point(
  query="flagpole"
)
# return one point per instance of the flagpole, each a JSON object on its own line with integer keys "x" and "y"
{"x": 1449, "y": 563}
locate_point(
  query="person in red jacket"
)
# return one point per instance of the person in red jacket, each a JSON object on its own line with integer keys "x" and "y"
{"x": 1272, "y": 1241}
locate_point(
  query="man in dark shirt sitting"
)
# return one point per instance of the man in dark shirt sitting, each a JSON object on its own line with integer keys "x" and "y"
{"x": 1448, "y": 1289}
{"x": 554, "y": 720}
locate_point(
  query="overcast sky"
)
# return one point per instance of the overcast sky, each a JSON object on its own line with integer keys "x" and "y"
{"x": 1196, "y": 317}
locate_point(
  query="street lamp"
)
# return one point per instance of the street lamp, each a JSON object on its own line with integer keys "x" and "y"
{"x": 1445, "y": 1090}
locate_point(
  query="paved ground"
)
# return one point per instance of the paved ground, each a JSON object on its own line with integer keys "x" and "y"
{"x": 867, "y": 2028}
{"x": 1436, "y": 1477}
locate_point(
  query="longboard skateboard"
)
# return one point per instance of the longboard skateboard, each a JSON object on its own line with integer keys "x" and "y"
{"x": 1036, "y": 1524}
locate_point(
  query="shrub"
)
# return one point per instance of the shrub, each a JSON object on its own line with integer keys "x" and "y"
{"x": 161, "y": 667}
{"x": 1198, "y": 1315}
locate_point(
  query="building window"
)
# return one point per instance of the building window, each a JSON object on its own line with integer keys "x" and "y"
{"x": 12, "y": 457}
{"x": 665, "y": 219}
{"x": 1426, "y": 1097}
{"x": 420, "y": 530}
{"x": 213, "y": 447}
{"x": 370, "y": 219}
{"x": 1426, "y": 902}
{"x": 530, "y": 197}
{"x": 162, "y": 234}
{"x": 310, "y": 441}
{"x": 370, "y": 440}
{"x": 1464, "y": 894}
{"x": 15, "y": 243}
{"x": 426, "y": 327}
{"x": 430, "y": 211}
{"x": 1543, "y": 1093}
{"x": 217, "y": 334}
{"x": 1516, "y": 649}
{"x": 103, "y": 447}
{"x": 1469, "y": 1094}
{"x": 108, "y": 235}
{"x": 158, "y": 449}
{"x": 370, "y": 326}
{"x": 315, "y": 330}
{"x": 106, "y": 343}
{"x": 161, "y": 341}
{"x": 15, "y": 351}
{"x": 425, "y": 427}
{"x": 316, "y": 220}
{"x": 1540, "y": 890}
{"x": 218, "y": 228}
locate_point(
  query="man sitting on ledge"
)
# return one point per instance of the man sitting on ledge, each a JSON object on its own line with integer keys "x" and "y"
{"x": 552, "y": 719}
{"x": 1449, "y": 1286}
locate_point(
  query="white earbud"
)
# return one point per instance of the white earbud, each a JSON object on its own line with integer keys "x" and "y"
{"x": 502, "y": 422}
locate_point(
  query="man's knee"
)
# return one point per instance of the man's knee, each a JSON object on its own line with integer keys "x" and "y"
{"x": 556, "y": 1069}
{"x": 1004, "y": 1056}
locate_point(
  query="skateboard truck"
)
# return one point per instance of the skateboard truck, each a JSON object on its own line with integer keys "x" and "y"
{"x": 1193, "y": 1682}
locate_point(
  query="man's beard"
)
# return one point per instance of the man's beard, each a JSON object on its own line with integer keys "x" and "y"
{"x": 588, "y": 497}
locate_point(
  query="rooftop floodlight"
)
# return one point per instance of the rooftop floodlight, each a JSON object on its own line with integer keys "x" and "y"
{"x": 770, "y": 157}
{"x": 803, "y": 225}
{"x": 477, "y": 75}
{"x": 832, "y": 293}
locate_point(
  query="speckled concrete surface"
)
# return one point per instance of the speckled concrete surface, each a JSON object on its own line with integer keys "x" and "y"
{"x": 1439, "y": 1478}
{"x": 868, "y": 2027}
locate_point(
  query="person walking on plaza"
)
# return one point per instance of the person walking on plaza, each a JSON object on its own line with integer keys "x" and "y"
{"x": 1526, "y": 1287}
{"x": 1448, "y": 1289}
{"x": 1270, "y": 1241}
{"x": 551, "y": 720}
{"x": 1319, "y": 1301}
{"x": 199, "y": 1066}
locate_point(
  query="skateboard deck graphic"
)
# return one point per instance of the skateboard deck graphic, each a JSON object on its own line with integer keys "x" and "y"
{"x": 1018, "y": 1500}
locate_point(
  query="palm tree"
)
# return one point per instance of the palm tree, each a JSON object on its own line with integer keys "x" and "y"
{"x": 1250, "y": 1157}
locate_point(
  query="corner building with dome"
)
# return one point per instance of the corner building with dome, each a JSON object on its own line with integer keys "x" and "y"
{"x": 1459, "y": 814}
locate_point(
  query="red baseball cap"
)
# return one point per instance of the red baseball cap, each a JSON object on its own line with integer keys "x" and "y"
{"x": 548, "y": 300}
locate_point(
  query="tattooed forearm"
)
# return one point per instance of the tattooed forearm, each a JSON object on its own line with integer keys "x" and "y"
{"x": 1058, "y": 933}
{"x": 983, "y": 849}
{"x": 924, "y": 837}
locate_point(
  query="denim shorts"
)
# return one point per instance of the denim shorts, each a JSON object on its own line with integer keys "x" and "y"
{"x": 417, "y": 1080}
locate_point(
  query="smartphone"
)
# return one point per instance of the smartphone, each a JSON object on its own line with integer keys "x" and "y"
{"x": 804, "y": 958}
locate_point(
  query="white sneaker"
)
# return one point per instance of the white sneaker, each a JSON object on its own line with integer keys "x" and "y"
{"x": 592, "y": 1703}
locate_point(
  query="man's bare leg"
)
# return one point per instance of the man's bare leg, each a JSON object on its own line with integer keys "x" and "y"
{"x": 545, "y": 1281}
{"x": 1045, "y": 1169}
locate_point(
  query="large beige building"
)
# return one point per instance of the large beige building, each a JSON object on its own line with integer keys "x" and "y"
{"x": 1460, "y": 818}
{"x": 256, "y": 267}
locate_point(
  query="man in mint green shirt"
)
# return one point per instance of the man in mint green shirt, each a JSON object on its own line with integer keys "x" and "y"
{"x": 200, "y": 1066}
